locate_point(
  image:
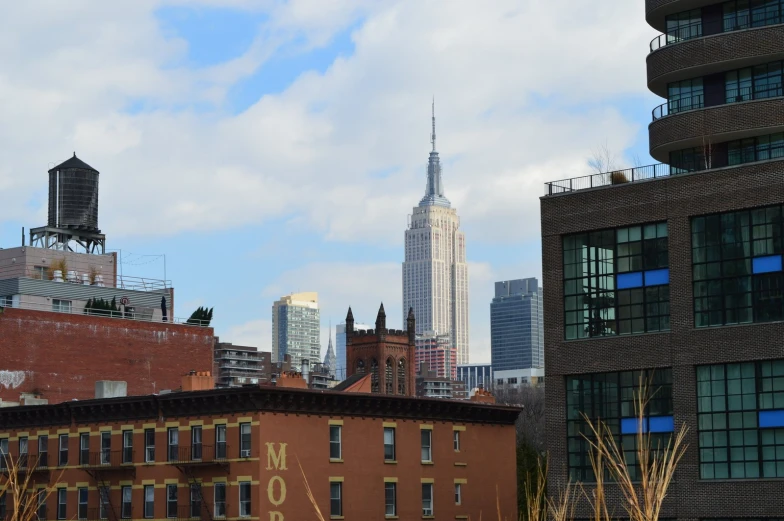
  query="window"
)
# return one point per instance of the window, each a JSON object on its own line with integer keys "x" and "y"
{"x": 760, "y": 148}
{"x": 41, "y": 504}
{"x": 81, "y": 512}
{"x": 427, "y": 499}
{"x": 336, "y": 499}
{"x": 149, "y": 445}
{"x": 458, "y": 493}
{"x": 335, "y": 434}
{"x": 220, "y": 442}
{"x": 63, "y": 450}
{"x": 737, "y": 267}
{"x": 195, "y": 500}
{"x": 684, "y": 95}
{"x": 684, "y": 26}
{"x": 427, "y": 439}
{"x": 511, "y": 380}
{"x": 689, "y": 160}
{"x": 758, "y": 82}
{"x": 43, "y": 451}
{"x": 171, "y": 501}
{"x": 196, "y": 442}
{"x": 3, "y": 453}
{"x": 106, "y": 447}
{"x": 127, "y": 455}
{"x": 23, "y": 452}
{"x": 103, "y": 502}
{"x": 244, "y": 498}
{"x": 611, "y": 398}
{"x": 741, "y": 420}
{"x": 62, "y": 306}
{"x": 84, "y": 448}
{"x": 149, "y": 501}
{"x": 390, "y": 499}
{"x": 126, "y": 505}
{"x": 389, "y": 443}
{"x": 456, "y": 440}
{"x": 174, "y": 443}
{"x": 40, "y": 273}
{"x": 616, "y": 282}
{"x": 61, "y": 503}
{"x": 244, "y": 440}
{"x": 220, "y": 499}
{"x": 401, "y": 376}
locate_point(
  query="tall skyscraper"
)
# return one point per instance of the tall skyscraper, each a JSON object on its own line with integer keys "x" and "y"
{"x": 330, "y": 360}
{"x": 435, "y": 273}
{"x": 516, "y": 331}
{"x": 340, "y": 347}
{"x": 295, "y": 328}
{"x": 668, "y": 278}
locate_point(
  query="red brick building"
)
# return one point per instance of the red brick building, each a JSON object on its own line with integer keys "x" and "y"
{"x": 241, "y": 454}
{"x": 60, "y": 356}
{"x": 387, "y": 355}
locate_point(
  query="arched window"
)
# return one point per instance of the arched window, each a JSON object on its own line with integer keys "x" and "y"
{"x": 389, "y": 372}
{"x": 373, "y": 376}
{"x": 401, "y": 376}
{"x": 360, "y": 367}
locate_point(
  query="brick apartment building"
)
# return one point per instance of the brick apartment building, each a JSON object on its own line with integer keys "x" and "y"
{"x": 674, "y": 271}
{"x": 236, "y": 454}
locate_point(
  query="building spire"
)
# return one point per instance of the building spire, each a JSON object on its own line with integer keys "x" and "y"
{"x": 434, "y": 193}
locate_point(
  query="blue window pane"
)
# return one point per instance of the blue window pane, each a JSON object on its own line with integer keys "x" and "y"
{"x": 767, "y": 264}
{"x": 657, "y": 277}
{"x": 629, "y": 280}
{"x": 769, "y": 419}
{"x": 629, "y": 425}
{"x": 661, "y": 424}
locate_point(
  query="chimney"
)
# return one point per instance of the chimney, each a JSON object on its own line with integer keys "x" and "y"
{"x": 110, "y": 389}
{"x": 198, "y": 381}
{"x": 482, "y": 396}
{"x": 291, "y": 379}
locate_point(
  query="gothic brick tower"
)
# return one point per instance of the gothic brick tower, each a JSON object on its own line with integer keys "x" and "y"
{"x": 387, "y": 355}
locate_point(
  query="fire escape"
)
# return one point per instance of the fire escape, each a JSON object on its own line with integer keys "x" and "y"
{"x": 104, "y": 467}
{"x": 191, "y": 462}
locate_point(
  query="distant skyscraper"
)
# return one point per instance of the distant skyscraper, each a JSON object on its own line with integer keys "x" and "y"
{"x": 295, "y": 328}
{"x": 516, "y": 332}
{"x": 330, "y": 360}
{"x": 437, "y": 352}
{"x": 476, "y": 375}
{"x": 340, "y": 347}
{"x": 435, "y": 273}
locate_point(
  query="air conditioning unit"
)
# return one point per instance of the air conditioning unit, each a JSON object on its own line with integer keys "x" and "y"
{"x": 245, "y": 453}
{"x": 427, "y": 511}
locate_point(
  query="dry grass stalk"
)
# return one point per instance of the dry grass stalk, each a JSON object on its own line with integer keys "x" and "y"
{"x": 536, "y": 495}
{"x": 563, "y": 506}
{"x": 16, "y": 485}
{"x": 310, "y": 492}
{"x": 643, "y": 497}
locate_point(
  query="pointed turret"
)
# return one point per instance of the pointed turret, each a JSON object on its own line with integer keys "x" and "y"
{"x": 350, "y": 321}
{"x": 381, "y": 319}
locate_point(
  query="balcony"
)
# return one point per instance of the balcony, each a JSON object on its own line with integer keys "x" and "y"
{"x": 738, "y": 22}
{"x": 618, "y": 177}
{"x": 731, "y": 95}
{"x": 199, "y": 455}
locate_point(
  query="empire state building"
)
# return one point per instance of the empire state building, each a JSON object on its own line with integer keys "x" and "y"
{"x": 435, "y": 273}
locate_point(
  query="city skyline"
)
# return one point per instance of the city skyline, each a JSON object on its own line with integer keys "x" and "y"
{"x": 269, "y": 151}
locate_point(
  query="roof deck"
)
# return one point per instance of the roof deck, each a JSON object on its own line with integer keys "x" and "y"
{"x": 616, "y": 177}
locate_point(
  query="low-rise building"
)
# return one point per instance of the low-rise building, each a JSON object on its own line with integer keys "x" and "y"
{"x": 252, "y": 452}
{"x": 430, "y": 385}
{"x": 236, "y": 366}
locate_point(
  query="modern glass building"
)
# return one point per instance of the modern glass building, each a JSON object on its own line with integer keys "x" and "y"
{"x": 296, "y": 329}
{"x": 516, "y": 333}
{"x": 476, "y": 375}
{"x": 340, "y": 348}
{"x": 672, "y": 273}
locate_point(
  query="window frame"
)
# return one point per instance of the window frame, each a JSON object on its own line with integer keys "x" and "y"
{"x": 245, "y": 439}
{"x": 149, "y": 445}
{"x": 390, "y": 508}
{"x": 458, "y": 494}
{"x": 245, "y": 504}
{"x": 173, "y": 444}
{"x": 456, "y": 440}
{"x": 221, "y": 450}
{"x": 215, "y": 502}
{"x": 336, "y": 446}
{"x": 62, "y": 450}
{"x": 197, "y": 441}
{"x": 106, "y": 447}
{"x": 426, "y": 433}
{"x": 336, "y": 503}
{"x": 84, "y": 448}
{"x": 428, "y": 509}
{"x": 124, "y": 503}
{"x": 62, "y": 503}
{"x": 392, "y": 446}
{"x": 127, "y": 446}
{"x": 43, "y": 452}
{"x": 82, "y": 502}
{"x": 197, "y": 502}
{"x": 172, "y": 500}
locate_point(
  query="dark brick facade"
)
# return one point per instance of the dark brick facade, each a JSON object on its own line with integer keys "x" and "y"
{"x": 675, "y": 199}
{"x": 718, "y": 124}
{"x": 718, "y": 52}
{"x": 656, "y": 10}
{"x": 60, "y": 356}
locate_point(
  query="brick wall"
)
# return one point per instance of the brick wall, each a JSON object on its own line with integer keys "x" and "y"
{"x": 675, "y": 199}
{"x": 62, "y": 356}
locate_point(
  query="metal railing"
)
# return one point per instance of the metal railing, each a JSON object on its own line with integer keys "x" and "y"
{"x": 144, "y": 284}
{"x": 617, "y": 177}
{"x": 198, "y": 454}
{"x": 731, "y": 95}
{"x": 116, "y": 315}
{"x": 726, "y": 25}
{"x": 109, "y": 459}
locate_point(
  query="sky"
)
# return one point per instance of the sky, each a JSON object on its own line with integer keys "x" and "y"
{"x": 253, "y": 148}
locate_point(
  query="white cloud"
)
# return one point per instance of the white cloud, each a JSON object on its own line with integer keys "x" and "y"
{"x": 255, "y": 333}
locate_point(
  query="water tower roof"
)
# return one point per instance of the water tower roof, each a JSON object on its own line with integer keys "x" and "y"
{"x": 73, "y": 162}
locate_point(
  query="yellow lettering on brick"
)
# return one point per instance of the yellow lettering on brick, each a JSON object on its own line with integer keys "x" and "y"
{"x": 271, "y": 491}
{"x": 276, "y": 516}
{"x": 278, "y": 461}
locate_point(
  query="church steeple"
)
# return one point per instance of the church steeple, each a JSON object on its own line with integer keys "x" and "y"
{"x": 434, "y": 193}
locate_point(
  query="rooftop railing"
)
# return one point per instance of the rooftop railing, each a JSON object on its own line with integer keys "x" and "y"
{"x": 731, "y": 95}
{"x": 730, "y": 23}
{"x": 85, "y": 279}
{"x": 617, "y": 177}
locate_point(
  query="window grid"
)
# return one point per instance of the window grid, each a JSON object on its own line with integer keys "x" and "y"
{"x": 336, "y": 499}
{"x": 335, "y": 442}
{"x": 724, "y": 246}
{"x": 593, "y": 306}
{"x": 245, "y": 499}
{"x": 609, "y": 397}
{"x": 730, "y": 398}
{"x": 427, "y": 441}
{"x": 389, "y": 443}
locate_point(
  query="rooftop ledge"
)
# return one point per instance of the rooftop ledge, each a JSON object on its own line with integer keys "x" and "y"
{"x": 629, "y": 175}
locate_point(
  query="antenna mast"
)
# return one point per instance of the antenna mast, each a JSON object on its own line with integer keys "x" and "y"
{"x": 433, "y": 135}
